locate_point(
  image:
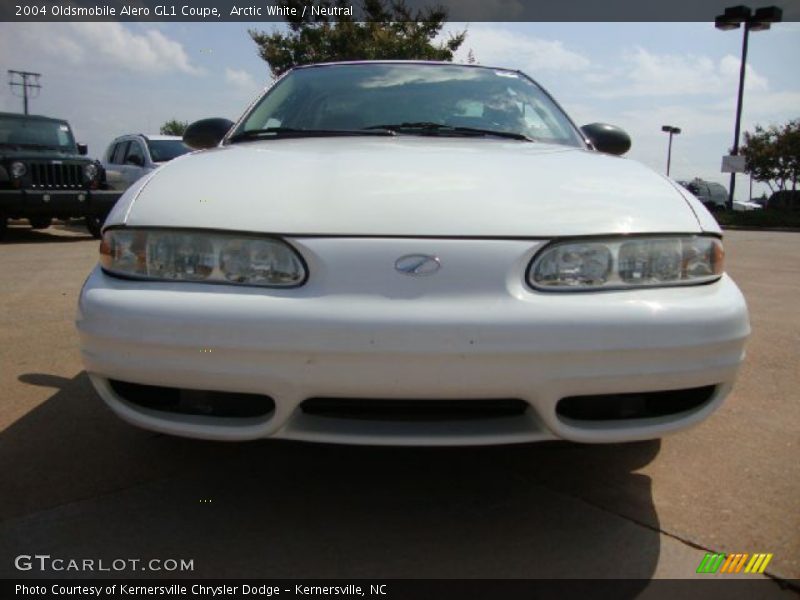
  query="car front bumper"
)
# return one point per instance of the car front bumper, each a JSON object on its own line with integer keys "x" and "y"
{"x": 293, "y": 345}
{"x": 23, "y": 204}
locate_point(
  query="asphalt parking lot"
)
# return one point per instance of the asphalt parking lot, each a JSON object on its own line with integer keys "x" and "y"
{"x": 77, "y": 482}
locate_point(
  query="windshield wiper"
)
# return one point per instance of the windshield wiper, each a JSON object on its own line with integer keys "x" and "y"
{"x": 429, "y": 128}
{"x": 275, "y": 132}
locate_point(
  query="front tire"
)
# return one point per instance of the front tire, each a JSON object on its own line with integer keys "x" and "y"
{"x": 94, "y": 225}
{"x": 40, "y": 222}
{"x": 3, "y": 225}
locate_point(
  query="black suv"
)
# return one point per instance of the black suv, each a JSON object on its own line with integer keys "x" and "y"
{"x": 45, "y": 174}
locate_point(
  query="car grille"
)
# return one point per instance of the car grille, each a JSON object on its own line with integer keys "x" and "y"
{"x": 56, "y": 176}
{"x": 413, "y": 410}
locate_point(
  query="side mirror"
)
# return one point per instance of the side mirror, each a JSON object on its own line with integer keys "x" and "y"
{"x": 134, "y": 160}
{"x": 83, "y": 149}
{"x": 206, "y": 133}
{"x": 607, "y": 138}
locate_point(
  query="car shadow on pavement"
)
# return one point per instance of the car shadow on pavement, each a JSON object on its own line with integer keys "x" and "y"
{"x": 74, "y": 225}
{"x": 78, "y": 482}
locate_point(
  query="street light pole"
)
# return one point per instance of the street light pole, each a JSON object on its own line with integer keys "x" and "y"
{"x": 671, "y": 131}
{"x": 669, "y": 152}
{"x": 760, "y": 20}
{"x": 742, "y": 67}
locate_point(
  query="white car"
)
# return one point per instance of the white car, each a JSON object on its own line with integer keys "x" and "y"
{"x": 130, "y": 157}
{"x": 746, "y": 205}
{"x": 410, "y": 253}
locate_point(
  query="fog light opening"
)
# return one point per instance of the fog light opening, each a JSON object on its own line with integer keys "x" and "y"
{"x": 626, "y": 407}
{"x": 206, "y": 403}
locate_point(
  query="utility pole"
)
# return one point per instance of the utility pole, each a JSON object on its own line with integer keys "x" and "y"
{"x": 27, "y": 81}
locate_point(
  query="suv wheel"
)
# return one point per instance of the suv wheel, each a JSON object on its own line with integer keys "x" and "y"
{"x": 40, "y": 222}
{"x": 94, "y": 225}
{"x": 3, "y": 225}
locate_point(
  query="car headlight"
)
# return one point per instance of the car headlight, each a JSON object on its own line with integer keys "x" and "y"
{"x": 627, "y": 263}
{"x": 90, "y": 172}
{"x": 200, "y": 256}
{"x": 18, "y": 169}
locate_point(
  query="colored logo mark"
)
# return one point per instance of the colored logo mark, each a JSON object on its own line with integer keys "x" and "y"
{"x": 734, "y": 563}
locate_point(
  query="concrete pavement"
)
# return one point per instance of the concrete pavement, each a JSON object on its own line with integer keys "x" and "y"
{"x": 78, "y": 482}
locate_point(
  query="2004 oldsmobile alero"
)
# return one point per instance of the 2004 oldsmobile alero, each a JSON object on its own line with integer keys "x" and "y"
{"x": 410, "y": 253}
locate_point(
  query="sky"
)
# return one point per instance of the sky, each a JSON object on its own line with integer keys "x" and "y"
{"x": 109, "y": 79}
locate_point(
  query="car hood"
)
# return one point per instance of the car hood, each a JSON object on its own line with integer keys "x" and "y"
{"x": 37, "y": 154}
{"x": 408, "y": 186}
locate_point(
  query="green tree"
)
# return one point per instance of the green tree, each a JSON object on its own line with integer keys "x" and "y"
{"x": 174, "y": 127}
{"x": 772, "y": 155}
{"x": 384, "y": 31}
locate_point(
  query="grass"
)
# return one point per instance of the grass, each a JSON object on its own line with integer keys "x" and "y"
{"x": 759, "y": 218}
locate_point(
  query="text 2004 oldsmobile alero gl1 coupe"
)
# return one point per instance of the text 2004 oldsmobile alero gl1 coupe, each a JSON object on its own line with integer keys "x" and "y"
{"x": 410, "y": 253}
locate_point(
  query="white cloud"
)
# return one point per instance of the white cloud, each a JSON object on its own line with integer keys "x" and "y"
{"x": 498, "y": 47}
{"x": 693, "y": 120}
{"x": 93, "y": 45}
{"x": 645, "y": 73}
{"x": 241, "y": 79}
{"x": 729, "y": 73}
{"x": 707, "y": 130}
{"x": 772, "y": 106}
{"x": 712, "y": 118}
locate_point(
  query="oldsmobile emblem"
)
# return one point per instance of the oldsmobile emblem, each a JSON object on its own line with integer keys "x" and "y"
{"x": 417, "y": 264}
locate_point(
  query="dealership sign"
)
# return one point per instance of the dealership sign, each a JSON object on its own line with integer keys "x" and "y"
{"x": 733, "y": 164}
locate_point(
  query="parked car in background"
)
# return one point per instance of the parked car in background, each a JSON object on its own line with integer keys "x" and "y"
{"x": 784, "y": 200}
{"x": 132, "y": 156}
{"x": 744, "y": 205}
{"x": 713, "y": 195}
{"x": 45, "y": 174}
{"x": 410, "y": 253}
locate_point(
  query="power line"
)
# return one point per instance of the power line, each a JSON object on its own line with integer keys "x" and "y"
{"x": 27, "y": 81}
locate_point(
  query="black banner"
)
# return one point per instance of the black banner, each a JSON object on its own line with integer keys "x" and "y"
{"x": 457, "y": 10}
{"x": 402, "y": 589}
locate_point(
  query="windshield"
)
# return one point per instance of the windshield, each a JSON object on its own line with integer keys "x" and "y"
{"x": 361, "y": 96}
{"x": 164, "y": 150}
{"x": 31, "y": 133}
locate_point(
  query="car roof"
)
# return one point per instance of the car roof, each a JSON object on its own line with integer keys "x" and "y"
{"x": 34, "y": 117}
{"x": 436, "y": 63}
{"x": 147, "y": 136}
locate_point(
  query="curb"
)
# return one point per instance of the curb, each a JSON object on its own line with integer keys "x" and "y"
{"x": 754, "y": 228}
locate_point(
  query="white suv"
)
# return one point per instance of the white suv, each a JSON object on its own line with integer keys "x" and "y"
{"x": 129, "y": 157}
